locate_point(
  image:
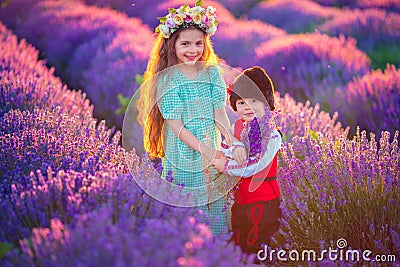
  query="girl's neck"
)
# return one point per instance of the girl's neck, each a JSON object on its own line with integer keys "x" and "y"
{"x": 190, "y": 71}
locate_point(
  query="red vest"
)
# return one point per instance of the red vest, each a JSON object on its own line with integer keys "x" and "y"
{"x": 267, "y": 190}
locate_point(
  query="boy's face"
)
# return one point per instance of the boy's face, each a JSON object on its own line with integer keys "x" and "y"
{"x": 249, "y": 108}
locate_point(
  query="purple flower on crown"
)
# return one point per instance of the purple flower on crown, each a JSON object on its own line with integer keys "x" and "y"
{"x": 170, "y": 23}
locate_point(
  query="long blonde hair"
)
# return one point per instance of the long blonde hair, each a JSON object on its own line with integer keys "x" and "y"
{"x": 163, "y": 56}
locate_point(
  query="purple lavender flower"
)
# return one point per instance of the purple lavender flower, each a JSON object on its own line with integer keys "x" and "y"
{"x": 169, "y": 177}
{"x": 334, "y": 178}
{"x": 254, "y": 138}
{"x": 378, "y": 101}
{"x": 376, "y": 32}
{"x": 297, "y": 119}
{"x": 107, "y": 40}
{"x": 27, "y": 83}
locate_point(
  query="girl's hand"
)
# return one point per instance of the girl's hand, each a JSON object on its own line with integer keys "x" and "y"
{"x": 219, "y": 164}
{"x": 219, "y": 155}
{"x": 209, "y": 153}
{"x": 239, "y": 154}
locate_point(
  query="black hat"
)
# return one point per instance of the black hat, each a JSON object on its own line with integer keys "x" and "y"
{"x": 253, "y": 83}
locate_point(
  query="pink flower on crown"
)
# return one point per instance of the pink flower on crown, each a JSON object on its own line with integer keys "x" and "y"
{"x": 205, "y": 19}
{"x": 188, "y": 18}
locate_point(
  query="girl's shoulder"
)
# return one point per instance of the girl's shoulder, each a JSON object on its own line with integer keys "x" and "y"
{"x": 211, "y": 69}
{"x": 167, "y": 77}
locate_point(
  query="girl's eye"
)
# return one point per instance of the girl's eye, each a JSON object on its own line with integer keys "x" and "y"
{"x": 199, "y": 43}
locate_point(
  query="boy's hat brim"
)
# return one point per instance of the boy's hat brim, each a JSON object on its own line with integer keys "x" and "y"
{"x": 244, "y": 87}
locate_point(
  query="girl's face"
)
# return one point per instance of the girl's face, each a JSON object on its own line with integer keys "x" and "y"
{"x": 249, "y": 108}
{"x": 189, "y": 46}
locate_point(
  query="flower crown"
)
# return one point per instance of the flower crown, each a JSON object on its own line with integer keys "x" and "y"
{"x": 185, "y": 16}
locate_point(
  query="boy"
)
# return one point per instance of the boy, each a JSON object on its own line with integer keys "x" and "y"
{"x": 255, "y": 211}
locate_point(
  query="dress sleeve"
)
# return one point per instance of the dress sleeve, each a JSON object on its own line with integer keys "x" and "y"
{"x": 218, "y": 88}
{"x": 168, "y": 100}
{"x": 257, "y": 163}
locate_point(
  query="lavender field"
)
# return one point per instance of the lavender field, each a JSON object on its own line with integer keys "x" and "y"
{"x": 68, "y": 69}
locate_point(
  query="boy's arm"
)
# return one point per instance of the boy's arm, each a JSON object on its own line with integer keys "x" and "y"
{"x": 257, "y": 163}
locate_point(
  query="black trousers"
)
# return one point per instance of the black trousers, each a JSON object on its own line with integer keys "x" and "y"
{"x": 253, "y": 224}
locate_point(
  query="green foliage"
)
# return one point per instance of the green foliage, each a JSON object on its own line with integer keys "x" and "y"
{"x": 4, "y": 248}
{"x": 124, "y": 101}
{"x": 385, "y": 55}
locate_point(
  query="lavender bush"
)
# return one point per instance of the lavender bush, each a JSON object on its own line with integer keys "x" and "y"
{"x": 66, "y": 194}
{"x": 88, "y": 46}
{"x": 298, "y": 119}
{"x": 239, "y": 8}
{"x": 235, "y": 39}
{"x": 236, "y": 42}
{"x": 43, "y": 139}
{"x": 149, "y": 13}
{"x": 58, "y": 169}
{"x": 335, "y": 3}
{"x": 65, "y": 185}
{"x": 390, "y": 5}
{"x": 26, "y": 82}
{"x": 376, "y": 31}
{"x": 311, "y": 66}
{"x": 307, "y": 13}
{"x": 340, "y": 189}
{"x": 116, "y": 217}
{"x": 99, "y": 240}
{"x": 140, "y": 9}
{"x": 377, "y": 94}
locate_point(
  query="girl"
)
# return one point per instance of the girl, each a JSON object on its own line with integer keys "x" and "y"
{"x": 183, "y": 103}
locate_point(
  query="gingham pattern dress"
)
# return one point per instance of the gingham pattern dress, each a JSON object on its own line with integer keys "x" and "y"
{"x": 193, "y": 102}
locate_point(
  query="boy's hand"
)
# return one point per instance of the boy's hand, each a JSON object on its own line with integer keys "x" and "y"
{"x": 219, "y": 164}
{"x": 239, "y": 154}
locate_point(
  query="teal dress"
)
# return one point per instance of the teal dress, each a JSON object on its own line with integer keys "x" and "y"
{"x": 193, "y": 102}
